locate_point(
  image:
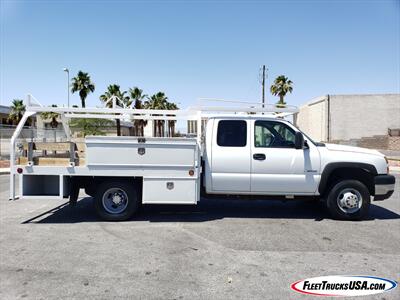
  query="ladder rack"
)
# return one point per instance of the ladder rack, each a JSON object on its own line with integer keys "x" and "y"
{"x": 117, "y": 112}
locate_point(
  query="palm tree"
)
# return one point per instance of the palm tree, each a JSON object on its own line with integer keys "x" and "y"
{"x": 157, "y": 101}
{"x": 171, "y": 123}
{"x": 137, "y": 95}
{"x": 82, "y": 84}
{"x": 282, "y": 85}
{"x": 113, "y": 90}
{"x": 17, "y": 111}
{"x": 50, "y": 115}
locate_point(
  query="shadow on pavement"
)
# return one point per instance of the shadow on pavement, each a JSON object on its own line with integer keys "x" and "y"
{"x": 206, "y": 210}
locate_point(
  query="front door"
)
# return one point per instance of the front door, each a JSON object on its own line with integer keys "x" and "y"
{"x": 276, "y": 166}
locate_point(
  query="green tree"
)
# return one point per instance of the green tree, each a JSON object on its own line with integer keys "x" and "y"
{"x": 157, "y": 101}
{"x": 17, "y": 111}
{"x": 50, "y": 115}
{"x": 281, "y": 86}
{"x": 91, "y": 126}
{"x": 82, "y": 84}
{"x": 137, "y": 96}
{"x": 114, "y": 92}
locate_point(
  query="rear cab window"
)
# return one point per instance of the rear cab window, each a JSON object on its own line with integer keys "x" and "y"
{"x": 232, "y": 133}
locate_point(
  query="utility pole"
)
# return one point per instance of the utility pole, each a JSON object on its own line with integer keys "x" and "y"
{"x": 263, "y": 86}
{"x": 67, "y": 70}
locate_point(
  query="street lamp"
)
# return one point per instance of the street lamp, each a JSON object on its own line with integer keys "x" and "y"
{"x": 66, "y": 70}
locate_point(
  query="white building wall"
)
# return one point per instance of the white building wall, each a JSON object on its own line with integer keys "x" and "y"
{"x": 312, "y": 118}
{"x": 350, "y": 116}
{"x": 149, "y": 129}
{"x": 357, "y": 116}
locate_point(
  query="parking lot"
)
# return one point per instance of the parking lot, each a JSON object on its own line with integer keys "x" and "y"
{"x": 219, "y": 249}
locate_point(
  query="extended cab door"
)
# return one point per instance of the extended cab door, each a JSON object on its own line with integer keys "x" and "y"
{"x": 276, "y": 166}
{"x": 230, "y": 163}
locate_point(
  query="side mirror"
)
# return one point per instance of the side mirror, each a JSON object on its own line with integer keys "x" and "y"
{"x": 299, "y": 140}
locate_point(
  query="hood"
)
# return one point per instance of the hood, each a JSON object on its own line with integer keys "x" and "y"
{"x": 344, "y": 148}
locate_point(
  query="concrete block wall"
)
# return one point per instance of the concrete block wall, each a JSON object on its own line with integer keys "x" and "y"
{"x": 312, "y": 118}
{"x": 375, "y": 142}
{"x": 357, "y": 116}
{"x": 383, "y": 142}
{"x": 349, "y": 118}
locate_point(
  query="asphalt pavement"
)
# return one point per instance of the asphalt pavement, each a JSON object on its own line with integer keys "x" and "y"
{"x": 219, "y": 249}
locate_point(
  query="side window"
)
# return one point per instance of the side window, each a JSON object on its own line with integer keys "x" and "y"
{"x": 232, "y": 133}
{"x": 271, "y": 134}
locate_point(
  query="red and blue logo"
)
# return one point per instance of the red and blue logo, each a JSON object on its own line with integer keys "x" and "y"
{"x": 343, "y": 285}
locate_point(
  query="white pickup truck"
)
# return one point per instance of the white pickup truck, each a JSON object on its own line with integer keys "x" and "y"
{"x": 237, "y": 154}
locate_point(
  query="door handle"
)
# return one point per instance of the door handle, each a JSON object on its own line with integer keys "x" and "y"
{"x": 259, "y": 156}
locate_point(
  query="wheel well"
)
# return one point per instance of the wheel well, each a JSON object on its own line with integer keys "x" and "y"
{"x": 92, "y": 182}
{"x": 364, "y": 176}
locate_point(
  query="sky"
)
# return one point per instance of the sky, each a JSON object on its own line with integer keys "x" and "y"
{"x": 197, "y": 49}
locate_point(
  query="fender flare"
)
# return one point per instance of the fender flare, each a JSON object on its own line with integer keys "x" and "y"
{"x": 329, "y": 168}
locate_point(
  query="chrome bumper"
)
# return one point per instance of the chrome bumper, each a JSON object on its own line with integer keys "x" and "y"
{"x": 383, "y": 189}
{"x": 384, "y": 186}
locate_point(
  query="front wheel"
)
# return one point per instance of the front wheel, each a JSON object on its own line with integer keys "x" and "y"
{"x": 116, "y": 201}
{"x": 348, "y": 200}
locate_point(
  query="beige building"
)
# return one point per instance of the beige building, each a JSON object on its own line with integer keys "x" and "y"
{"x": 363, "y": 120}
{"x": 4, "y": 112}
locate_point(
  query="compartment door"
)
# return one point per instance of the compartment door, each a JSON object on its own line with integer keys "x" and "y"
{"x": 170, "y": 191}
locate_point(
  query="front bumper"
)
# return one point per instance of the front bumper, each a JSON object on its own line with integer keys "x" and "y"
{"x": 384, "y": 186}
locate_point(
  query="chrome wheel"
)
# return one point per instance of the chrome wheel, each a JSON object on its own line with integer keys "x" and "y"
{"x": 115, "y": 200}
{"x": 349, "y": 200}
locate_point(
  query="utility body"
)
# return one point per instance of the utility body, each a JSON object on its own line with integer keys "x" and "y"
{"x": 244, "y": 152}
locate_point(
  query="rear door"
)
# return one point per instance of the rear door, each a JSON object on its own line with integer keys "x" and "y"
{"x": 279, "y": 168}
{"x": 230, "y": 170}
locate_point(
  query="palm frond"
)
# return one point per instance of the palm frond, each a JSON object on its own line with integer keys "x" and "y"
{"x": 82, "y": 84}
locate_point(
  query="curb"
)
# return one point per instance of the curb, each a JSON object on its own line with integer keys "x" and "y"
{"x": 4, "y": 171}
{"x": 394, "y": 169}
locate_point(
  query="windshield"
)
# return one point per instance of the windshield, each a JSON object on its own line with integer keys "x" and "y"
{"x": 318, "y": 144}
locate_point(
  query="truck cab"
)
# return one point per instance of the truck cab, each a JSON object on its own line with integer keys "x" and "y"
{"x": 253, "y": 155}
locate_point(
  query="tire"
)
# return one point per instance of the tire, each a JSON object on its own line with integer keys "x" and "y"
{"x": 73, "y": 192}
{"x": 116, "y": 200}
{"x": 348, "y": 200}
{"x": 91, "y": 191}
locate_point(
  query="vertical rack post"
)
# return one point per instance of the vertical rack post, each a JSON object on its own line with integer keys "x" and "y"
{"x": 17, "y": 131}
{"x": 199, "y": 129}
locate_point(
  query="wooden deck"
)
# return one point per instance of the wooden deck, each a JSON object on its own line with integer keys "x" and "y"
{"x": 52, "y": 153}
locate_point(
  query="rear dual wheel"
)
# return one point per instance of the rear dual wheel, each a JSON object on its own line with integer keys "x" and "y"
{"x": 116, "y": 200}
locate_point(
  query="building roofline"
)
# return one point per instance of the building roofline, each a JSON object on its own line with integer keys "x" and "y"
{"x": 378, "y": 94}
{"x": 4, "y": 109}
{"x": 324, "y": 97}
{"x": 314, "y": 101}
